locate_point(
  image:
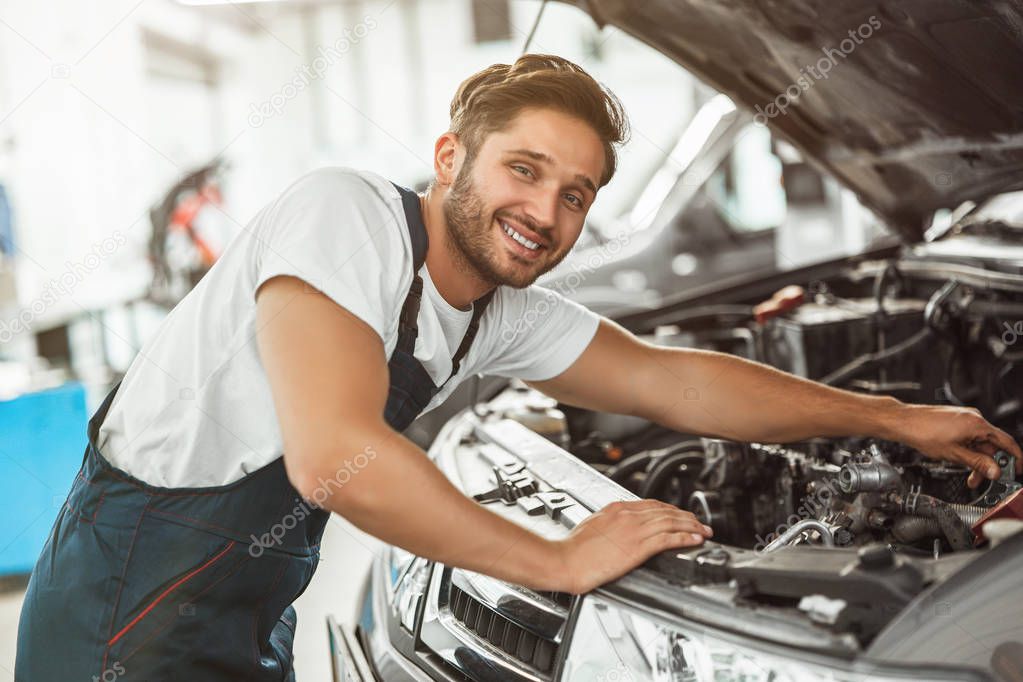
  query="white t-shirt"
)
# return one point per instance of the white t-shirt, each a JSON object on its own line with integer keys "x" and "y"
{"x": 195, "y": 409}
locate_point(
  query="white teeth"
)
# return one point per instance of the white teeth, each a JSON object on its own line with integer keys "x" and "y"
{"x": 519, "y": 238}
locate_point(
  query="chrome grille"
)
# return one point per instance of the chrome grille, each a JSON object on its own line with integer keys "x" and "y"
{"x": 563, "y": 599}
{"x": 513, "y": 639}
{"x": 490, "y": 630}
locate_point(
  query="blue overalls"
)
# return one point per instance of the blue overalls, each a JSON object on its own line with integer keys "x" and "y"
{"x": 144, "y": 583}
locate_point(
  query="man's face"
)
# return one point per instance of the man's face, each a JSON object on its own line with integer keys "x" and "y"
{"x": 516, "y": 210}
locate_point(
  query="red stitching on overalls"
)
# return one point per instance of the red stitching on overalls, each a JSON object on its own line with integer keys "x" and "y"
{"x": 176, "y": 585}
{"x": 81, "y": 515}
{"x": 193, "y": 598}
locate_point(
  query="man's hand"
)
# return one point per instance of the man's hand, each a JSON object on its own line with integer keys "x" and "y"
{"x": 955, "y": 434}
{"x": 620, "y": 537}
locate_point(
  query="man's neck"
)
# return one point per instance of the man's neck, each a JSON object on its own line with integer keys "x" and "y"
{"x": 458, "y": 287}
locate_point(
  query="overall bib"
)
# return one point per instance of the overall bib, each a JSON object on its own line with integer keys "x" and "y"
{"x": 137, "y": 582}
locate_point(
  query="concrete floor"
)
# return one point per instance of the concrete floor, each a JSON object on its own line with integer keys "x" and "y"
{"x": 345, "y": 557}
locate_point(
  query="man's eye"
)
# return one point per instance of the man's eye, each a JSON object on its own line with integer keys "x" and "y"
{"x": 522, "y": 168}
{"x": 574, "y": 198}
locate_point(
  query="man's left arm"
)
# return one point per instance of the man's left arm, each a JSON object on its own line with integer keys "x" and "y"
{"x": 721, "y": 395}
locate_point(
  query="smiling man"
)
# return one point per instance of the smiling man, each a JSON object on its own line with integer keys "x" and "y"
{"x": 276, "y": 393}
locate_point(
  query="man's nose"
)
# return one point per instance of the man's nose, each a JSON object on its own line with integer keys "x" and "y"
{"x": 543, "y": 210}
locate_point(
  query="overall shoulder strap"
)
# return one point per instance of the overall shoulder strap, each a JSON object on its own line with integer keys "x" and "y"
{"x": 416, "y": 227}
{"x": 408, "y": 326}
{"x": 479, "y": 306}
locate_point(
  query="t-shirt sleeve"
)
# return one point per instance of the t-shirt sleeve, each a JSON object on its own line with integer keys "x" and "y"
{"x": 334, "y": 230}
{"x": 538, "y": 334}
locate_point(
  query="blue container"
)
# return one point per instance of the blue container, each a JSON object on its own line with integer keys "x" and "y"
{"x": 42, "y": 440}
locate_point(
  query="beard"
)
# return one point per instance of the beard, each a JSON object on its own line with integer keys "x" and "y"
{"x": 473, "y": 240}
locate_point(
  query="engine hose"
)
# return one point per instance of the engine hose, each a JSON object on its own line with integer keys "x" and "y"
{"x": 911, "y": 529}
{"x": 667, "y": 467}
{"x": 621, "y": 472}
{"x": 952, "y": 527}
{"x": 870, "y": 360}
{"x": 880, "y": 284}
{"x": 825, "y": 531}
{"x": 933, "y": 327}
{"x": 632, "y": 464}
{"x": 970, "y": 514}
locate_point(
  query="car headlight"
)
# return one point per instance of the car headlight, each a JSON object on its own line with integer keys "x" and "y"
{"x": 614, "y": 643}
{"x": 407, "y": 578}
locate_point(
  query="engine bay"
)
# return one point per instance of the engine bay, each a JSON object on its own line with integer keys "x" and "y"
{"x": 841, "y": 535}
{"x": 924, "y": 334}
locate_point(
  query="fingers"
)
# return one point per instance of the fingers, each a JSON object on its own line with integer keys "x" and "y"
{"x": 983, "y": 466}
{"x": 635, "y": 506}
{"x": 991, "y": 438}
{"x": 979, "y": 473}
{"x": 1005, "y": 442}
{"x": 650, "y": 504}
{"x": 670, "y": 523}
{"x": 623, "y": 535}
{"x": 665, "y": 541}
{"x": 985, "y": 446}
{"x": 650, "y": 526}
{"x": 649, "y": 514}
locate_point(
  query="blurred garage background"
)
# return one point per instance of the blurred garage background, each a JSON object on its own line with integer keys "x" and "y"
{"x": 138, "y": 137}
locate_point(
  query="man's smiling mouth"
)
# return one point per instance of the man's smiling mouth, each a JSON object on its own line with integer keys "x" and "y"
{"x": 521, "y": 244}
{"x": 517, "y": 236}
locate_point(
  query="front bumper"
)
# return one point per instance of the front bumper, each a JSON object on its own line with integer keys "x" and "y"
{"x": 348, "y": 662}
{"x": 381, "y": 643}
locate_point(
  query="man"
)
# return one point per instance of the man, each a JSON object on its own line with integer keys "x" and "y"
{"x": 348, "y": 307}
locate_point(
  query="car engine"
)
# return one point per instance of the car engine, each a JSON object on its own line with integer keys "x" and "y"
{"x": 893, "y": 328}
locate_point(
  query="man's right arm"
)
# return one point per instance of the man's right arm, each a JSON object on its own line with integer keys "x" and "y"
{"x": 329, "y": 378}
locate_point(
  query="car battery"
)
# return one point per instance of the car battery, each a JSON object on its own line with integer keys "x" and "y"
{"x": 816, "y": 339}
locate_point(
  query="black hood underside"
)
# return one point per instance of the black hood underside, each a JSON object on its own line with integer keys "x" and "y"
{"x": 922, "y": 111}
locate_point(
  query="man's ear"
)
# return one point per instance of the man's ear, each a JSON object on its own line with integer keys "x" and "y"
{"x": 448, "y": 154}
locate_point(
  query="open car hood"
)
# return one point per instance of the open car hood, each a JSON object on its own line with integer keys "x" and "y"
{"x": 921, "y": 108}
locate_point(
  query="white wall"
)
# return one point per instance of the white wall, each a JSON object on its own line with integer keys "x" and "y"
{"x": 86, "y": 162}
{"x": 98, "y": 141}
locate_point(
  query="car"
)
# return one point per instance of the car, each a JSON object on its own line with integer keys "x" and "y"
{"x": 832, "y": 559}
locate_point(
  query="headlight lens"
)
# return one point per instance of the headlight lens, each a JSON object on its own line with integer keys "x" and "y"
{"x": 407, "y": 578}
{"x": 611, "y": 643}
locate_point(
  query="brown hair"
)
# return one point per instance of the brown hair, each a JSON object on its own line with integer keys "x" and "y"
{"x": 489, "y": 99}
